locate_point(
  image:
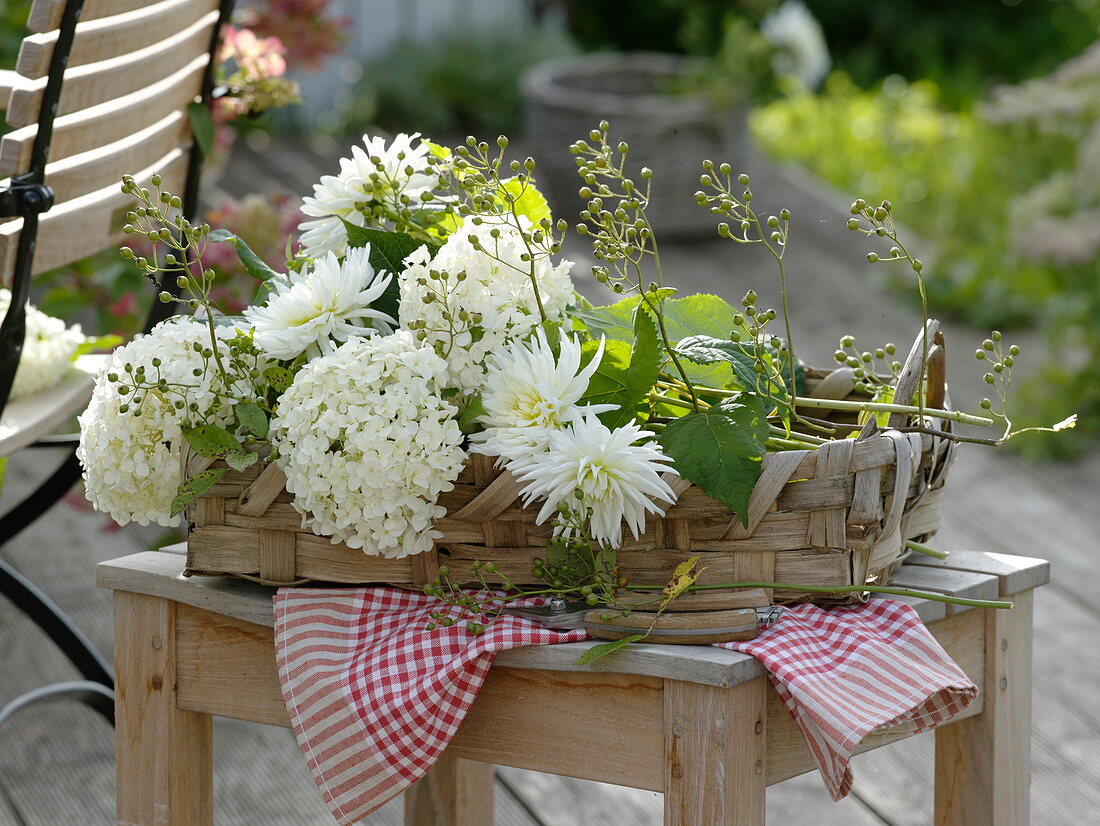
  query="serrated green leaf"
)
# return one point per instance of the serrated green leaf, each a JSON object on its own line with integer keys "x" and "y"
{"x": 196, "y": 486}
{"x": 252, "y": 417}
{"x": 710, "y": 350}
{"x": 611, "y": 383}
{"x": 720, "y": 449}
{"x": 211, "y": 441}
{"x": 529, "y": 201}
{"x": 241, "y": 460}
{"x": 388, "y": 251}
{"x": 645, "y": 353}
{"x": 202, "y": 126}
{"x": 255, "y": 265}
{"x": 700, "y": 314}
{"x": 603, "y": 649}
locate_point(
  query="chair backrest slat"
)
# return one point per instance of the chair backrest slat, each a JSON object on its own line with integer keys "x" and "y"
{"x": 108, "y": 122}
{"x": 46, "y": 14}
{"x": 86, "y": 224}
{"x": 105, "y": 166}
{"x": 109, "y": 37}
{"x": 96, "y": 83}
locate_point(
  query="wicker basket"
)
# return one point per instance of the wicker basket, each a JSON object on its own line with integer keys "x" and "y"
{"x": 565, "y": 99}
{"x": 835, "y": 516}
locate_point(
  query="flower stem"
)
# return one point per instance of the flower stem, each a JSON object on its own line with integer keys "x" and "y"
{"x": 924, "y": 549}
{"x": 850, "y": 589}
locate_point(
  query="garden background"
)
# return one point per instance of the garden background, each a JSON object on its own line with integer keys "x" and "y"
{"x": 978, "y": 119}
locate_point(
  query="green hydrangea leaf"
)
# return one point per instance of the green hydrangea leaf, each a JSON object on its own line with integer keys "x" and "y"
{"x": 720, "y": 450}
{"x": 211, "y": 441}
{"x": 196, "y": 486}
{"x": 603, "y": 649}
{"x": 202, "y": 126}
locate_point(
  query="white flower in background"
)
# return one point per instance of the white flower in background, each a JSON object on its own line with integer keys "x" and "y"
{"x": 131, "y": 451}
{"x": 529, "y": 394}
{"x": 328, "y": 303}
{"x": 618, "y": 479}
{"x": 375, "y": 172}
{"x": 48, "y": 349}
{"x": 800, "y": 43}
{"x": 482, "y": 299}
{"x": 368, "y": 444}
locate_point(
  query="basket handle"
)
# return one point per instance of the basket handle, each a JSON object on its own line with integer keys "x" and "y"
{"x": 914, "y": 368}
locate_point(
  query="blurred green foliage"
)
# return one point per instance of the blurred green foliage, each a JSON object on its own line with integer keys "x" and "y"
{"x": 961, "y": 182}
{"x": 465, "y": 82}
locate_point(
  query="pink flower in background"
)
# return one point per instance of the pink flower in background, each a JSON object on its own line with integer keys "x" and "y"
{"x": 310, "y": 35}
{"x": 255, "y": 56}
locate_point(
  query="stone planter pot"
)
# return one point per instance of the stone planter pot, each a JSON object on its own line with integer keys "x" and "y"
{"x": 672, "y": 134}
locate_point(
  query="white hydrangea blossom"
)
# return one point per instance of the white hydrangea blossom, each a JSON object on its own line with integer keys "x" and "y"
{"x": 48, "y": 349}
{"x": 368, "y": 443}
{"x": 327, "y": 303}
{"x": 800, "y": 43}
{"x": 374, "y": 172}
{"x": 529, "y": 393}
{"x": 617, "y": 478}
{"x": 481, "y": 299}
{"x": 131, "y": 452}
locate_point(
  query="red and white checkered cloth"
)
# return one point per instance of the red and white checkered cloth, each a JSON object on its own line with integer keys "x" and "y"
{"x": 375, "y": 697}
{"x": 843, "y": 672}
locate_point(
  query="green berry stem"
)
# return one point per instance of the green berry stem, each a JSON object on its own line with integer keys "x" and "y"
{"x": 924, "y": 549}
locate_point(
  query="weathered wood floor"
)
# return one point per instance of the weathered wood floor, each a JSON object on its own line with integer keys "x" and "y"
{"x": 56, "y": 763}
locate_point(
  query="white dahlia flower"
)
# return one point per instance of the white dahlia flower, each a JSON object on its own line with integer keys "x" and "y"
{"x": 368, "y": 444}
{"x": 375, "y": 173}
{"x": 617, "y": 478}
{"x": 479, "y": 299}
{"x": 48, "y": 349}
{"x": 326, "y": 304}
{"x": 529, "y": 394}
{"x": 800, "y": 44}
{"x": 130, "y": 449}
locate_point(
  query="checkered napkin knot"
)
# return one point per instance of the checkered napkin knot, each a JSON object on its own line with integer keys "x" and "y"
{"x": 375, "y": 697}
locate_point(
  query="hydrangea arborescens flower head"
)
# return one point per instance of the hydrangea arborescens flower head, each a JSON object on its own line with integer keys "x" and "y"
{"x": 374, "y": 174}
{"x": 529, "y": 393}
{"x": 48, "y": 349}
{"x": 329, "y": 303}
{"x": 368, "y": 443}
{"x": 130, "y": 448}
{"x": 617, "y": 478}
{"x": 474, "y": 298}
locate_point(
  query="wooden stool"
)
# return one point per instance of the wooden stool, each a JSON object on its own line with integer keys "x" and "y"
{"x": 699, "y": 724}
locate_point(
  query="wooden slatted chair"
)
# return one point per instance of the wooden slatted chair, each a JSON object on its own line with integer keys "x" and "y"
{"x": 101, "y": 89}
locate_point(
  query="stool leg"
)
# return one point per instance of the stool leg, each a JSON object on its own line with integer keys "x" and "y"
{"x": 164, "y": 772}
{"x": 715, "y": 752}
{"x": 454, "y": 793}
{"x": 983, "y": 771}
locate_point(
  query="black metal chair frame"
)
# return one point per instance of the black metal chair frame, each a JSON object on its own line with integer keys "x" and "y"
{"x": 28, "y": 197}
